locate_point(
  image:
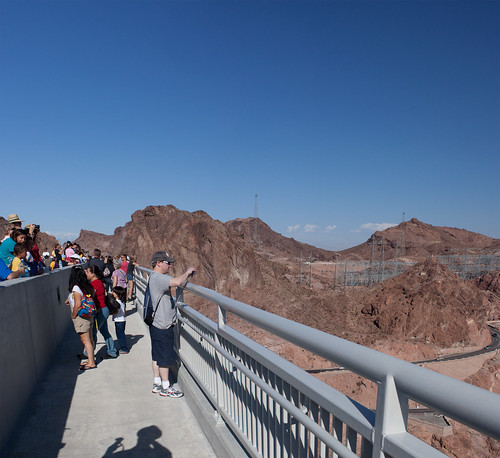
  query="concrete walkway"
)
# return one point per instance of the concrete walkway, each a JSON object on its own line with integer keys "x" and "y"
{"x": 109, "y": 410}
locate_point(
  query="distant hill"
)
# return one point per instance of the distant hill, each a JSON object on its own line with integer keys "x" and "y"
{"x": 264, "y": 238}
{"x": 416, "y": 241}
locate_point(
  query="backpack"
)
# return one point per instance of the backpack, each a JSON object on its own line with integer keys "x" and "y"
{"x": 87, "y": 307}
{"x": 148, "y": 308}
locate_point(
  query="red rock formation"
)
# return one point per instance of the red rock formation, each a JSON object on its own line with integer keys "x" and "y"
{"x": 428, "y": 303}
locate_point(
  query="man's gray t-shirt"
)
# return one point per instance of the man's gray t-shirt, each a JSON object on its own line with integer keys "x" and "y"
{"x": 165, "y": 315}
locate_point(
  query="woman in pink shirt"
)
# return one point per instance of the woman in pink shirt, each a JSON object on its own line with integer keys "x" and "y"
{"x": 119, "y": 276}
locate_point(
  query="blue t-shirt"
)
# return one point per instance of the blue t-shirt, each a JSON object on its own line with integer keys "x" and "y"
{"x": 7, "y": 251}
{"x": 4, "y": 271}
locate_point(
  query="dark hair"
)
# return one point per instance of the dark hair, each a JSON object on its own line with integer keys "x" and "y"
{"x": 16, "y": 233}
{"x": 19, "y": 248}
{"x": 97, "y": 253}
{"x": 29, "y": 242}
{"x": 78, "y": 278}
{"x": 95, "y": 270}
{"x": 121, "y": 292}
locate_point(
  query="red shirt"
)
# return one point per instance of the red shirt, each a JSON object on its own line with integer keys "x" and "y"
{"x": 100, "y": 300}
{"x": 124, "y": 266}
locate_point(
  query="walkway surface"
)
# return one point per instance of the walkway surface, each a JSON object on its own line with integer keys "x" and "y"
{"x": 109, "y": 410}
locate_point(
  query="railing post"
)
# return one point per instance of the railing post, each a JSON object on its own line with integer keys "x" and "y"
{"x": 221, "y": 322}
{"x": 391, "y": 414}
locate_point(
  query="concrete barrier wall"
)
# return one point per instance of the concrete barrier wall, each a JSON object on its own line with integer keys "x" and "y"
{"x": 33, "y": 320}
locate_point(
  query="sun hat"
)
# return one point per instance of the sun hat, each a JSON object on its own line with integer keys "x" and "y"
{"x": 13, "y": 218}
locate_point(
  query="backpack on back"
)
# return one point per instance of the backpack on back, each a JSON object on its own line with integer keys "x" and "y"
{"x": 87, "y": 307}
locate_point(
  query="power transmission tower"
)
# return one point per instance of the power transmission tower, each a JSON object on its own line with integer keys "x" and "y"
{"x": 400, "y": 245}
{"x": 256, "y": 224}
{"x": 403, "y": 225}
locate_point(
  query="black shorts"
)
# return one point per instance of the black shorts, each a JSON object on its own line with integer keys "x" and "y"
{"x": 162, "y": 346}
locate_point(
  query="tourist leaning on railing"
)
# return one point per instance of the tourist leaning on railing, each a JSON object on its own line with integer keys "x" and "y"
{"x": 7, "y": 246}
{"x": 7, "y": 274}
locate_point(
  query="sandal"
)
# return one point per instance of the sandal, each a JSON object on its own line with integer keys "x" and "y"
{"x": 87, "y": 368}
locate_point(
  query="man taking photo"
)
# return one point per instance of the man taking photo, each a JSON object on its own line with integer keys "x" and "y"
{"x": 164, "y": 319}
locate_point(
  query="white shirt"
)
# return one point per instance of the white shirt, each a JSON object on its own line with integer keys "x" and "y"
{"x": 120, "y": 315}
{"x": 71, "y": 297}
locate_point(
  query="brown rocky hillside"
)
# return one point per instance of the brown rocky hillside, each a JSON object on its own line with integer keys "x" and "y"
{"x": 193, "y": 239}
{"x": 413, "y": 306}
{"x": 415, "y": 240}
{"x": 428, "y": 303}
{"x": 264, "y": 238}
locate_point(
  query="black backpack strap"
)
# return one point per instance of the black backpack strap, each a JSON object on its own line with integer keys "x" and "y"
{"x": 158, "y": 303}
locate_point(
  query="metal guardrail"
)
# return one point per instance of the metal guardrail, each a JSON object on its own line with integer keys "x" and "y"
{"x": 278, "y": 410}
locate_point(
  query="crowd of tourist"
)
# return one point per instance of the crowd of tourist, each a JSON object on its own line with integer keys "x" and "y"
{"x": 19, "y": 253}
{"x": 98, "y": 287}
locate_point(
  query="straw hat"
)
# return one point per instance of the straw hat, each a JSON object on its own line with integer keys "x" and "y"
{"x": 13, "y": 218}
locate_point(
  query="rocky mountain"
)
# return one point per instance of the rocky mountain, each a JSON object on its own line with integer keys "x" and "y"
{"x": 265, "y": 239}
{"x": 192, "y": 238}
{"x": 246, "y": 260}
{"x": 415, "y": 240}
{"x": 108, "y": 244}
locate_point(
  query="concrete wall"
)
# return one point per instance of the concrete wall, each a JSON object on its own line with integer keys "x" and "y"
{"x": 33, "y": 320}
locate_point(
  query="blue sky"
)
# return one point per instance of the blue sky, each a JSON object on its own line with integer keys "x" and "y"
{"x": 340, "y": 115}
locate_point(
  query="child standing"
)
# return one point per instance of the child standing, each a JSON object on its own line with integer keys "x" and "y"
{"x": 120, "y": 294}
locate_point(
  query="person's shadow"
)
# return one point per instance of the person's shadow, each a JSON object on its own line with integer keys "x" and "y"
{"x": 146, "y": 445}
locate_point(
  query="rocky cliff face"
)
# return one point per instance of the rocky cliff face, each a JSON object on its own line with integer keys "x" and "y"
{"x": 194, "y": 239}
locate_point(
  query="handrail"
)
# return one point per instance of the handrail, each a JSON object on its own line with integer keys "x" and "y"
{"x": 420, "y": 384}
{"x": 398, "y": 380}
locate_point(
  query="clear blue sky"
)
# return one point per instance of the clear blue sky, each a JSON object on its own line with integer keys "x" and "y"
{"x": 340, "y": 115}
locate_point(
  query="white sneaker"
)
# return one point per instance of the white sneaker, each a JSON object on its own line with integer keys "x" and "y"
{"x": 156, "y": 388}
{"x": 171, "y": 392}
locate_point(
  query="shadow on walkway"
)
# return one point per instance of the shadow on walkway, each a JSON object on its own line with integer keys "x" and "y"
{"x": 147, "y": 444}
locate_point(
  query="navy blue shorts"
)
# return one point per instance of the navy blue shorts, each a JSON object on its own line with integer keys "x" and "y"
{"x": 162, "y": 346}
{"x": 130, "y": 277}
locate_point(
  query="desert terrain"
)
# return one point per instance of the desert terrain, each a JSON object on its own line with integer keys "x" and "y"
{"x": 423, "y": 312}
